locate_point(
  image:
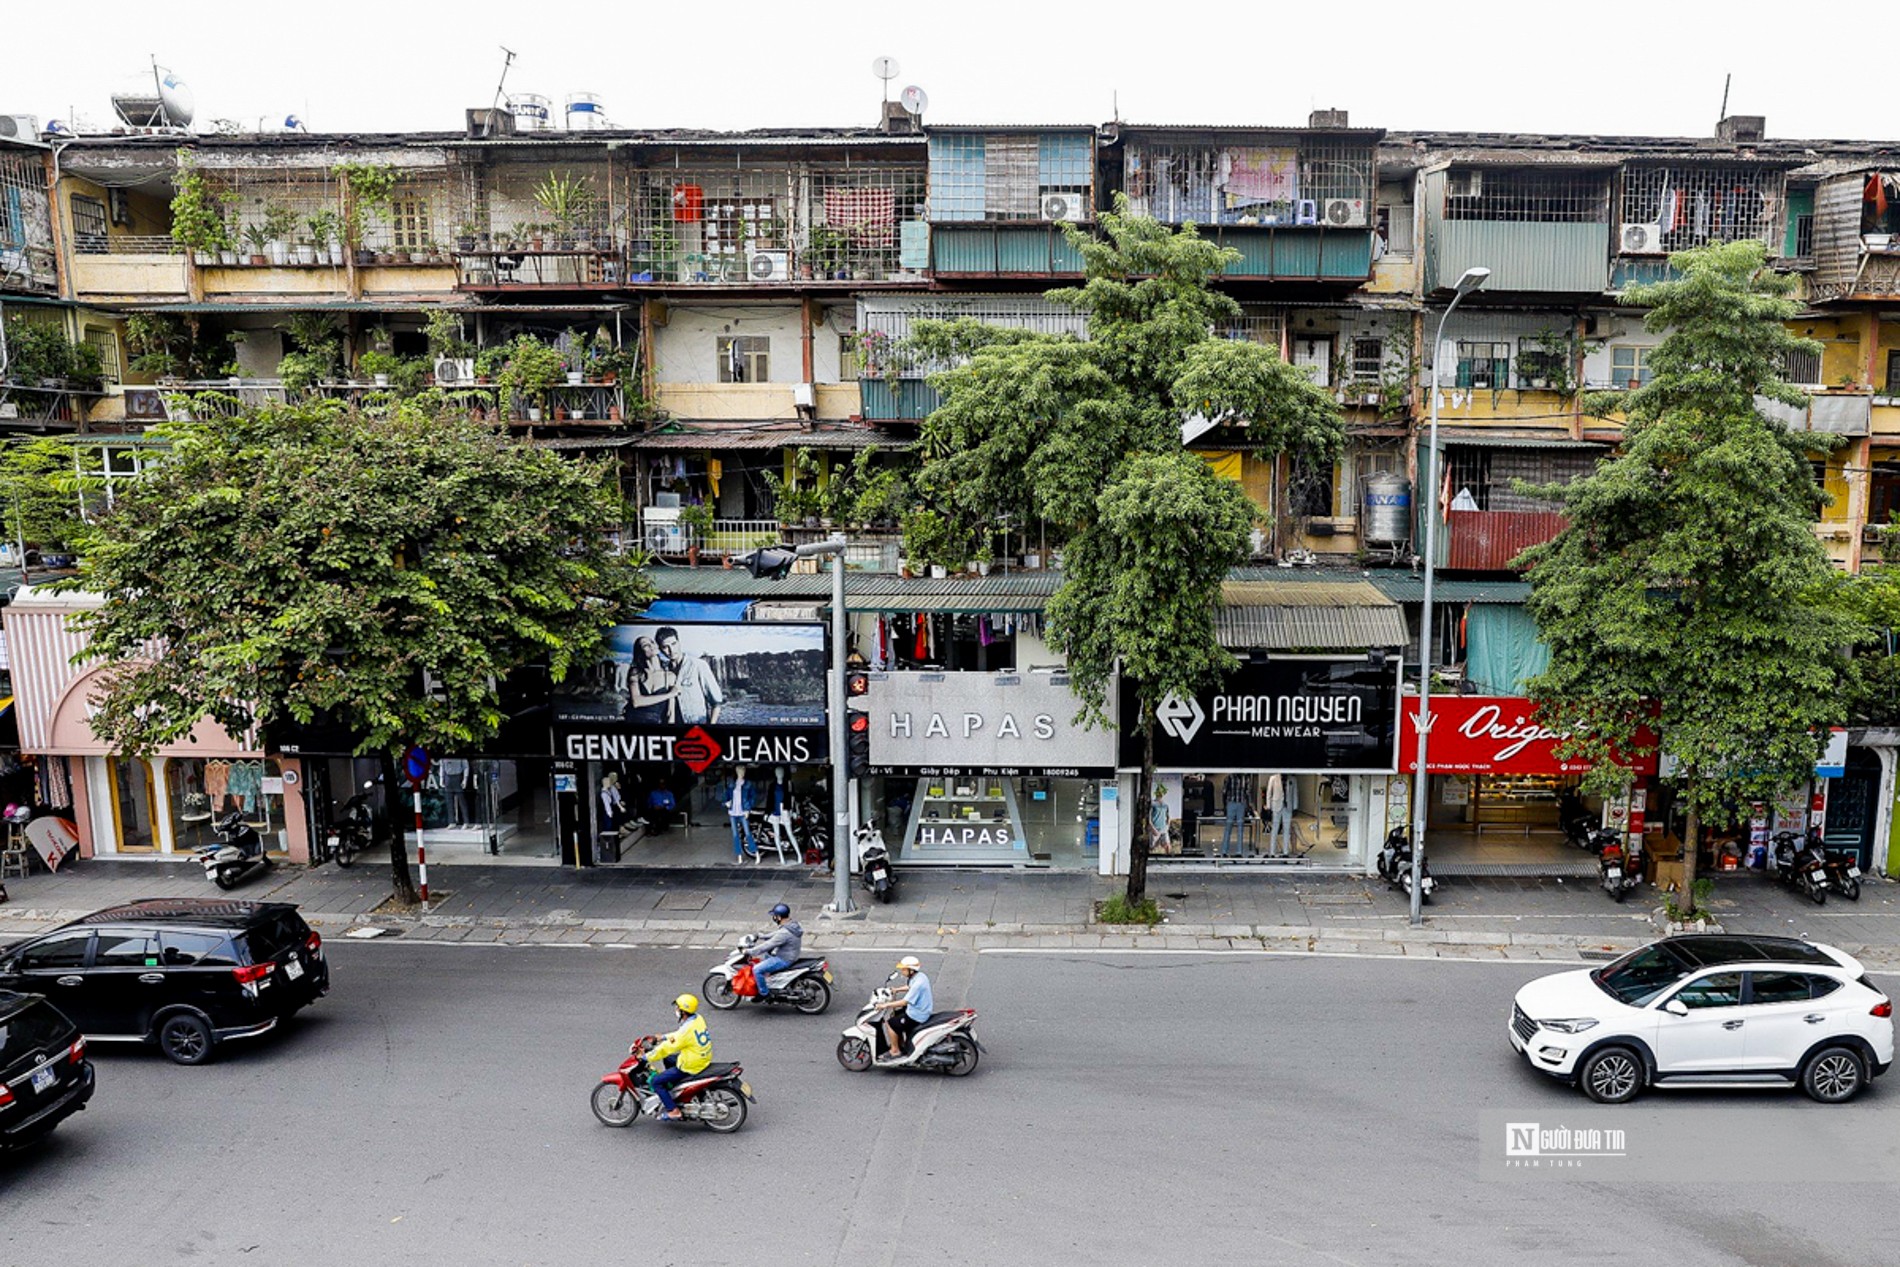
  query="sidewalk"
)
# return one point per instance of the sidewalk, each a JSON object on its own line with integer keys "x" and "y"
{"x": 1471, "y": 917}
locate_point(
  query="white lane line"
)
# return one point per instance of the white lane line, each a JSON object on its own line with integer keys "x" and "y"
{"x": 1259, "y": 954}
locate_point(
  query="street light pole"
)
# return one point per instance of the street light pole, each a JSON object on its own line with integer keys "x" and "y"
{"x": 1428, "y": 486}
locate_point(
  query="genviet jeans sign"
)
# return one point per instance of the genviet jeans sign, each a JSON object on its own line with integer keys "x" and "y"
{"x": 1318, "y": 715}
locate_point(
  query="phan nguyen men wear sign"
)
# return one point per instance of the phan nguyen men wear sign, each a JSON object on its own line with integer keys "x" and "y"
{"x": 1301, "y": 715}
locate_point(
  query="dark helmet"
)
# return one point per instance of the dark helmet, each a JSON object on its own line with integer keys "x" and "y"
{"x": 231, "y": 822}
{"x": 781, "y": 911}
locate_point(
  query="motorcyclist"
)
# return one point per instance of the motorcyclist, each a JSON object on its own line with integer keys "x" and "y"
{"x": 679, "y": 1055}
{"x": 780, "y": 948}
{"x": 906, "y": 1012}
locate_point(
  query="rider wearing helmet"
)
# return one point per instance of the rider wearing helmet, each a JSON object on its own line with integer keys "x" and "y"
{"x": 909, "y": 1010}
{"x": 779, "y": 950}
{"x": 679, "y": 1055}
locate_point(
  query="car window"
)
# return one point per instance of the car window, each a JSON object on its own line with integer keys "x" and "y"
{"x": 1641, "y": 975}
{"x": 34, "y": 1027}
{"x": 1787, "y": 987}
{"x": 1718, "y": 989}
{"x": 125, "y": 948}
{"x": 60, "y": 950}
{"x": 182, "y": 949}
{"x": 277, "y": 932}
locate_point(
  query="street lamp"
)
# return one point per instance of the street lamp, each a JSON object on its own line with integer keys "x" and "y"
{"x": 1473, "y": 278}
{"x": 772, "y": 563}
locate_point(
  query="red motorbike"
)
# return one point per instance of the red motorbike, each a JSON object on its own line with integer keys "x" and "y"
{"x": 717, "y": 1095}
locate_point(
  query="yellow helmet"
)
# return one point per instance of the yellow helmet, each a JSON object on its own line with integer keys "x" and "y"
{"x": 686, "y": 1003}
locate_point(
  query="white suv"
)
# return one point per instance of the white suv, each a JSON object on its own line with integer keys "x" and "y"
{"x": 1714, "y": 1010}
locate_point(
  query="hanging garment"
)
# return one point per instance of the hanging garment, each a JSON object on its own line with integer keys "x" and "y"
{"x": 247, "y": 783}
{"x": 217, "y": 782}
{"x": 923, "y": 636}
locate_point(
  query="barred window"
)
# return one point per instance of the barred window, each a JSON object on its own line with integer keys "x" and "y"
{"x": 1802, "y": 368}
{"x": 1484, "y": 366}
{"x": 106, "y": 343}
{"x": 1368, "y": 359}
{"x": 745, "y": 358}
{"x": 1539, "y": 366}
{"x": 1691, "y": 206}
{"x": 1011, "y": 176}
{"x": 1527, "y": 197}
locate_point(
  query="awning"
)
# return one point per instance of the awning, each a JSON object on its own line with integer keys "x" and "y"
{"x": 1502, "y": 438}
{"x": 1407, "y": 587}
{"x": 1307, "y": 615}
{"x": 772, "y": 434}
{"x": 697, "y": 610}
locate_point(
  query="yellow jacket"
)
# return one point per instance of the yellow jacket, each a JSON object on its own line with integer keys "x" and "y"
{"x": 690, "y": 1042}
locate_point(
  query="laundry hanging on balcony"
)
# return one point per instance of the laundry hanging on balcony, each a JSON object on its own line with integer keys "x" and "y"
{"x": 868, "y": 215}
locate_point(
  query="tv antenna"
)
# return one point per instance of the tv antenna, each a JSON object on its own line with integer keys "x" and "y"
{"x": 508, "y": 59}
{"x": 885, "y": 68}
{"x": 1724, "y": 114}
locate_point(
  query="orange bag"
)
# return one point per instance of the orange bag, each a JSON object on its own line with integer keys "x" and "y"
{"x": 744, "y": 982}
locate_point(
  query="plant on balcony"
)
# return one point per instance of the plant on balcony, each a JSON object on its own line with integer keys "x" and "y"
{"x": 864, "y": 493}
{"x": 1553, "y": 354}
{"x": 42, "y": 356}
{"x": 828, "y": 251}
{"x": 198, "y": 212}
{"x": 379, "y": 366}
{"x": 698, "y": 521}
{"x": 933, "y": 540}
{"x": 531, "y": 370}
{"x": 567, "y": 199}
{"x": 443, "y": 329}
{"x": 324, "y": 229}
{"x": 280, "y": 223}
{"x": 259, "y": 239}
{"x": 1398, "y": 371}
{"x": 364, "y": 188}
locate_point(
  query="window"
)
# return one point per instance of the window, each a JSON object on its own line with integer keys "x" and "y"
{"x": 745, "y": 358}
{"x": 89, "y": 225}
{"x": 1629, "y": 366}
{"x": 1484, "y": 365}
{"x": 122, "y": 948}
{"x": 1309, "y": 490}
{"x": 1786, "y": 987}
{"x": 62, "y": 950}
{"x": 1802, "y": 368}
{"x": 1393, "y": 227}
{"x": 1539, "y": 366}
{"x": 409, "y": 223}
{"x": 1893, "y": 373}
{"x": 1718, "y": 989}
{"x": 106, "y": 344}
{"x": 1527, "y": 196}
{"x": 848, "y": 360}
{"x": 182, "y": 949}
{"x": 1691, "y": 206}
{"x": 1317, "y": 355}
{"x": 1804, "y": 236}
{"x": 1368, "y": 359}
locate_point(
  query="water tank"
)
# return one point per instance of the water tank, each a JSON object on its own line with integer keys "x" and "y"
{"x": 533, "y": 112}
{"x": 1388, "y": 518}
{"x": 584, "y": 113}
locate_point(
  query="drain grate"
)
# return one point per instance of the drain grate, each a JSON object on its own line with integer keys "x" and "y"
{"x": 1335, "y": 899}
{"x": 683, "y": 901}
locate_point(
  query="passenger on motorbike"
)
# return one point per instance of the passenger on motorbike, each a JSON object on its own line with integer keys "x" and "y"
{"x": 780, "y": 948}
{"x": 909, "y": 1010}
{"x": 682, "y": 1053}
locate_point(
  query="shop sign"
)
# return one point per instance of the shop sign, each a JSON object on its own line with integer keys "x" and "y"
{"x": 1297, "y": 716}
{"x": 701, "y": 694}
{"x": 1000, "y": 725}
{"x": 1489, "y": 734}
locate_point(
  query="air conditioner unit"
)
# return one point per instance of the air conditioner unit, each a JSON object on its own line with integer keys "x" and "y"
{"x": 665, "y": 534}
{"x": 1643, "y": 239}
{"x": 769, "y": 266}
{"x": 1072, "y": 207}
{"x": 20, "y": 127}
{"x": 454, "y": 371}
{"x": 1346, "y": 213}
{"x": 1464, "y": 185}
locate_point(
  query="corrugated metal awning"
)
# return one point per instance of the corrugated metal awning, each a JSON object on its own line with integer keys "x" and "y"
{"x": 1504, "y": 438}
{"x": 771, "y": 434}
{"x": 1307, "y": 615}
{"x": 1408, "y": 587}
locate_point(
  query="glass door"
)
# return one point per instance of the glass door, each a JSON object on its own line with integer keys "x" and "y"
{"x": 132, "y": 812}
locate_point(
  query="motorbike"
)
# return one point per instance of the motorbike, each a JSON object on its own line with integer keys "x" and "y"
{"x": 1395, "y": 865}
{"x": 806, "y": 985}
{"x": 874, "y": 862}
{"x": 716, "y": 1096}
{"x": 946, "y": 1043}
{"x": 1801, "y": 864}
{"x": 811, "y": 827}
{"x": 1843, "y": 872}
{"x": 354, "y": 830}
{"x": 1618, "y": 870}
{"x": 1578, "y": 823}
{"x": 241, "y": 851}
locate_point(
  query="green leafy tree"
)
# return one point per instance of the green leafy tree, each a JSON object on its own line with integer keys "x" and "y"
{"x": 45, "y": 483}
{"x": 306, "y": 561}
{"x": 1081, "y": 439}
{"x": 1688, "y": 590}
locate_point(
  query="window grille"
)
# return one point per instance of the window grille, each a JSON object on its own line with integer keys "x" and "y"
{"x": 1893, "y": 373}
{"x": 1692, "y": 206}
{"x": 1288, "y": 180}
{"x": 1484, "y": 366}
{"x": 1802, "y": 368}
{"x": 1490, "y": 475}
{"x": 26, "y": 223}
{"x": 1539, "y": 366}
{"x": 1512, "y": 195}
{"x": 1309, "y": 489}
{"x": 89, "y": 225}
{"x": 745, "y": 358}
{"x": 1629, "y": 366}
{"x": 409, "y": 223}
{"x": 1264, "y": 328}
{"x": 106, "y": 343}
{"x": 1804, "y": 236}
{"x": 1368, "y": 359}
{"x": 1006, "y": 176}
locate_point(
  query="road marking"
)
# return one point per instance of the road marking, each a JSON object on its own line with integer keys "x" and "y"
{"x": 1258, "y": 954}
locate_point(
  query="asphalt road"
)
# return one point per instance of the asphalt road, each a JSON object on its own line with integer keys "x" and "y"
{"x": 1131, "y": 1109}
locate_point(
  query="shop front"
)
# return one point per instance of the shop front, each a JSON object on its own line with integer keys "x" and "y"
{"x": 1286, "y": 764}
{"x": 681, "y": 724}
{"x": 985, "y": 769}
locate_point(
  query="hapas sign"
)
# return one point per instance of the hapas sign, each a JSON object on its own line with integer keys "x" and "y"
{"x": 1488, "y": 734}
{"x": 994, "y": 724}
{"x": 1294, "y": 715}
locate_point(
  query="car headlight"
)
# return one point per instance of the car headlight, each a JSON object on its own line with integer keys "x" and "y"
{"x": 1573, "y": 1026}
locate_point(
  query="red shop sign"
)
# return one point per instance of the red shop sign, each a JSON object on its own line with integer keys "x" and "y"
{"x": 1486, "y": 734}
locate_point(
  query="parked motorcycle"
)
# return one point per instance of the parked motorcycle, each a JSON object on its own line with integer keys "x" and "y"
{"x": 811, "y": 827}
{"x": 1801, "y": 864}
{"x": 355, "y": 828}
{"x": 1843, "y": 871}
{"x": 946, "y": 1043}
{"x": 806, "y": 985}
{"x": 1395, "y": 865}
{"x": 874, "y": 862}
{"x": 716, "y": 1096}
{"x": 1577, "y": 821}
{"x": 1619, "y": 870}
{"x": 240, "y": 852}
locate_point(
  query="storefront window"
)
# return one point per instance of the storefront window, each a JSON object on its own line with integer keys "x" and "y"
{"x": 488, "y": 806}
{"x": 1252, "y": 814}
{"x": 190, "y": 804}
{"x": 968, "y": 818}
{"x": 250, "y": 786}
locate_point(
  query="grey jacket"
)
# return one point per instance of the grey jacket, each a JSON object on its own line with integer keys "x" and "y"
{"x": 785, "y": 941}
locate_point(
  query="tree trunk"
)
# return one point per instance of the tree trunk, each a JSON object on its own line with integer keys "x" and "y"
{"x": 397, "y": 807}
{"x": 1138, "y": 839}
{"x": 1691, "y": 828}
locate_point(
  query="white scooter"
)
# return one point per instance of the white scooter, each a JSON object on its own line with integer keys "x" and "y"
{"x": 874, "y": 862}
{"x": 241, "y": 851}
{"x": 946, "y": 1043}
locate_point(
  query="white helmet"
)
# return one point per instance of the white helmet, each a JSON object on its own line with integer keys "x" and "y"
{"x": 910, "y": 963}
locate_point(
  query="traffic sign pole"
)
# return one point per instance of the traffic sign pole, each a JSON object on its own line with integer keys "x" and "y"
{"x": 415, "y": 764}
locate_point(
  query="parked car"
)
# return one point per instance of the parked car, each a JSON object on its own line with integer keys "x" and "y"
{"x": 1709, "y": 1010}
{"x": 45, "y": 1077}
{"x": 185, "y": 973}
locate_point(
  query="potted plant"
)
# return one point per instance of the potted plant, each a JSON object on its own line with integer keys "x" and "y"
{"x": 364, "y": 187}
{"x": 566, "y": 198}
{"x": 280, "y": 222}
{"x": 698, "y": 520}
{"x": 198, "y": 214}
{"x": 259, "y": 239}
{"x": 323, "y": 228}
{"x": 379, "y": 366}
{"x": 531, "y": 370}
{"x": 465, "y": 236}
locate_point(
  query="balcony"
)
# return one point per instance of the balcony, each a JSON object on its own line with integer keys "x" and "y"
{"x": 1006, "y": 250}
{"x": 1487, "y": 540}
{"x": 1296, "y": 252}
{"x": 565, "y": 405}
{"x": 905, "y": 400}
{"x": 42, "y": 408}
{"x": 663, "y": 535}
{"x": 751, "y": 402}
{"x": 127, "y": 267}
{"x": 26, "y": 267}
{"x": 592, "y": 268}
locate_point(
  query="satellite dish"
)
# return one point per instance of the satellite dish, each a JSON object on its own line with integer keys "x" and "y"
{"x": 884, "y": 68}
{"x": 915, "y": 99}
{"x": 176, "y": 99}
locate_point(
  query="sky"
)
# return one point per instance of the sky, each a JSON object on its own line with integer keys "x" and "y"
{"x": 351, "y": 65}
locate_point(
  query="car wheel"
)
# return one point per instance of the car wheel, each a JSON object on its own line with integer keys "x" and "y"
{"x": 1835, "y": 1075}
{"x": 1613, "y": 1075}
{"x": 185, "y": 1039}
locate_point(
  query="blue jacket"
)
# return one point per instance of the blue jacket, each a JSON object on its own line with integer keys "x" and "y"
{"x": 749, "y": 798}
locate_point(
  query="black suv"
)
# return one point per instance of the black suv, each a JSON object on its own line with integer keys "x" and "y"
{"x": 45, "y": 1077}
{"x": 186, "y": 973}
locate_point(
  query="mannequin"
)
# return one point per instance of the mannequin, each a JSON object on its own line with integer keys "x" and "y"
{"x": 738, "y": 797}
{"x": 455, "y": 790}
{"x": 613, "y": 808}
